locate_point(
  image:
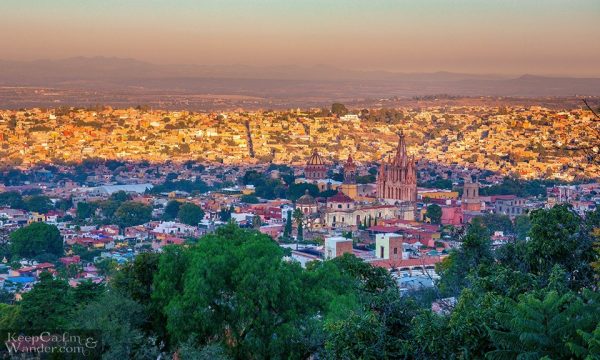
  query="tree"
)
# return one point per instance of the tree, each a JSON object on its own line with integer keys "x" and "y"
{"x": 85, "y": 210}
{"x": 87, "y": 291}
{"x": 338, "y": 109}
{"x": 373, "y": 320}
{"x": 287, "y": 231}
{"x": 255, "y": 299}
{"x": 64, "y": 204}
{"x": 171, "y": 210}
{"x": 475, "y": 250}
{"x": 47, "y": 305}
{"x": 190, "y": 214}
{"x": 295, "y": 191}
{"x": 9, "y": 316}
{"x": 434, "y": 213}
{"x": 12, "y": 199}
{"x": 549, "y": 324}
{"x": 132, "y": 213}
{"x": 299, "y": 218}
{"x": 497, "y": 222}
{"x": 118, "y": 319}
{"x": 135, "y": 278}
{"x": 36, "y": 239}
{"x": 556, "y": 238}
{"x": 249, "y": 199}
{"x": 225, "y": 214}
{"x": 188, "y": 351}
{"x": 522, "y": 226}
{"x": 120, "y": 196}
{"x": 356, "y": 337}
{"x": 108, "y": 208}
{"x": 38, "y": 203}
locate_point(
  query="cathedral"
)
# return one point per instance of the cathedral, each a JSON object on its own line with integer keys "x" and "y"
{"x": 397, "y": 178}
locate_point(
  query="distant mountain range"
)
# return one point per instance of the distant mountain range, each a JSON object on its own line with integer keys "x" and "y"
{"x": 279, "y": 81}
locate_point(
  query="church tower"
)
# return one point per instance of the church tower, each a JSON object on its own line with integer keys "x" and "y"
{"x": 349, "y": 186}
{"x": 349, "y": 171}
{"x": 470, "y": 196}
{"x": 397, "y": 178}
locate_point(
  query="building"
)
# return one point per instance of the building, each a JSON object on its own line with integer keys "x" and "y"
{"x": 307, "y": 204}
{"x": 397, "y": 179}
{"x": 342, "y": 213}
{"x": 349, "y": 186}
{"x": 437, "y": 194}
{"x": 389, "y": 246}
{"x": 315, "y": 167}
{"x": 470, "y": 197}
{"x": 510, "y": 205}
{"x": 337, "y": 246}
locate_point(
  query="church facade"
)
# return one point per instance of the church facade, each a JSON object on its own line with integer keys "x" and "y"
{"x": 397, "y": 178}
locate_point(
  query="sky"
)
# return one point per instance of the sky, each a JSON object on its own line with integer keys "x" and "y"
{"x": 545, "y": 37}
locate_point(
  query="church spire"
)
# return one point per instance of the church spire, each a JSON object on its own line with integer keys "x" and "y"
{"x": 400, "y": 158}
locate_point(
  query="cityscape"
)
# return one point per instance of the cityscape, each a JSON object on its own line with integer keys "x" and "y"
{"x": 264, "y": 208}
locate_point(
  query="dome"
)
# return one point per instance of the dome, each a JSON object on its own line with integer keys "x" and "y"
{"x": 315, "y": 159}
{"x": 340, "y": 197}
{"x": 306, "y": 199}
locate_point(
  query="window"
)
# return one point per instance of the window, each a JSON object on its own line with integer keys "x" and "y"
{"x": 381, "y": 251}
{"x": 395, "y": 251}
{"x": 339, "y": 206}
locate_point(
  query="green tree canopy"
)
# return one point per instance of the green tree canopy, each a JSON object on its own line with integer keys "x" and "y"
{"x": 171, "y": 210}
{"x": 47, "y": 305}
{"x": 249, "y": 199}
{"x": 12, "y": 199}
{"x": 132, "y": 213}
{"x": 38, "y": 203}
{"x": 36, "y": 239}
{"x": 255, "y": 299}
{"x": 190, "y": 214}
{"x": 434, "y": 213}
{"x": 85, "y": 210}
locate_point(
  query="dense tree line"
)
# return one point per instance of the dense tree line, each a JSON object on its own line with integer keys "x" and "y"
{"x": 267, "y": 187}
{"x": 35, "y": 202}
{"x": 117, "y": 209}
{"x": 521, "y": 188}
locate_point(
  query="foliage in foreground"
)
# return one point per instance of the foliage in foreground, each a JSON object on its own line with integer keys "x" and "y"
{"x": 233, "y": 295}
